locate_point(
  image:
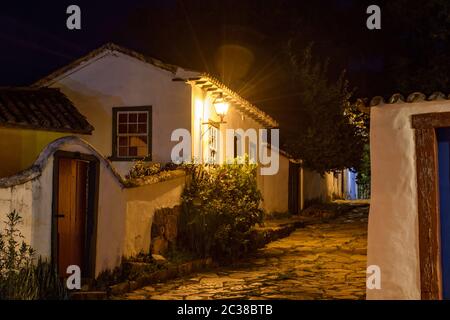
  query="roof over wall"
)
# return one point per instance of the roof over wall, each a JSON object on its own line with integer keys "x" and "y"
{"x": 215, "y": 87}
{"x": 44, "y": 157}
{"x": 399, "y": 98}
{"x": 40, "y": 109}
{"x": 198, "y": 77}
{"x": 108, "y": 48}
{"x": 35, "y": 171}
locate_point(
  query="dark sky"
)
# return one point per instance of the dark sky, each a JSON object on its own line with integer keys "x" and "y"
{"x": 242, "y": 42}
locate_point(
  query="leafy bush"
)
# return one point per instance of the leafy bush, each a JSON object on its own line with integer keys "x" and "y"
{"x": 143, "y": 172}
{"x": 220, "y": 206}
{"x": 143, "y": 168}
{"x": 20, "y": 278}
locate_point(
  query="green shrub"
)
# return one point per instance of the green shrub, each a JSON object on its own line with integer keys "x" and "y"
{"x": 20, "y": 278}
{"x": 220, "y": 206}
{"x": 143, "y": 168}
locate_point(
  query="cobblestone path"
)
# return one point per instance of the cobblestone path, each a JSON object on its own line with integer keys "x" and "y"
{"x": 321, "y": 261}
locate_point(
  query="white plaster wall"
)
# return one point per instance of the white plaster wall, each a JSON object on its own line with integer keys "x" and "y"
{"x": 111, "y": 221}
{"x": 42, "y": 211}
{"x": 33, "y": 200}
{"x": 124, "y": 215}
{"x": 142, "y": 202}
{"x": 393, "y": 222}
{"x": 274, "y": 188}
{"x": 18, "y": 198}
{"x": 118, "y": 80}
{"x": 320, "y": 187}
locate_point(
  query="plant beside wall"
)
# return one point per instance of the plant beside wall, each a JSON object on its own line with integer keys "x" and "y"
{"x": 143, "y": 172}
{"x": 20, "y": 277}
{"x": 221, "y": 205}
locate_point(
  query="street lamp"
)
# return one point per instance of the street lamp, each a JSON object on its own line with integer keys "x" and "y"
{"x": 221, "y": 108}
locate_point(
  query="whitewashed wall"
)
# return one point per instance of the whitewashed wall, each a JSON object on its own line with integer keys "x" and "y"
{"x": 118, "y": 80}
{"x": 124, "y": 215}
{"x": 142, "y": 202}
{"x": 393, "y": 221}
{"x": 323, "y": 188}
{"x": 18, "y": 198}
{"x": 274, "y": 188}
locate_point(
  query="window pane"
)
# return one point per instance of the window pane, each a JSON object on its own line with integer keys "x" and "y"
{"x": 133, "y": 151}
{"x": 123, "y": 118}
{"x": 138, "y": 141}
{"x": 122, "y": 128}
{"x": 142, "y": 151}
{"x": 142, "y": 128}
{"x": 132, "y": 117}
{"x": 123, "y": 151}
{"x": 123, "y": 141}
{"x": 142, "y": 141}
{"x": 142, "y": 117}
{"x": 132, "y": 128}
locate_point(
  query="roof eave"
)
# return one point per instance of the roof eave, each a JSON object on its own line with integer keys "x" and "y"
{"x": 106, "y": 49}
{"x": 39, "y": 128}
{"x": 399, "y": 98}
{"x": 247, "y": 107}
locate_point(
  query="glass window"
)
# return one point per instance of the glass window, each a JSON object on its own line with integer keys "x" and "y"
{"x": 213, "y": 144}
{"x": 132, "y": 133}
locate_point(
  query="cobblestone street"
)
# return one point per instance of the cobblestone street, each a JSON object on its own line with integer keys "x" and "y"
{"x": 321, "y": 261}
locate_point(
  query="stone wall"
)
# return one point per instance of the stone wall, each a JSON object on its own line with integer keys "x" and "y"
{"x": 142, "y": 205}
{"x": 164, "y": 229}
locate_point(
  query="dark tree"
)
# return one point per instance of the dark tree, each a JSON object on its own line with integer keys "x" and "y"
{"x": 418, "y": 54}
{"x": 330, "y": 132}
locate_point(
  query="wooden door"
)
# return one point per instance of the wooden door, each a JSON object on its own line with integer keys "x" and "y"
{"x": 71, "y": 213}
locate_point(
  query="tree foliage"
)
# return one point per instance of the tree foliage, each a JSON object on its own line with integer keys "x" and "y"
{"x": 419, "y": 37}
{"x": 331, "y": 132}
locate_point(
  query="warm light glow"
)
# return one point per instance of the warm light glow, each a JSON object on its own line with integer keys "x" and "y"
{"x": 221, "y": 108}
{"x": 198, "y": 108}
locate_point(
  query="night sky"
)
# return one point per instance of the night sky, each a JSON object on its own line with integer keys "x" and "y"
{"x": 241, "y": 42}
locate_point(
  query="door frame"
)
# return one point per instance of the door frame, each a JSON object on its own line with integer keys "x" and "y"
{"x": 92, "y": 211}
{"x": 426, "y": 144}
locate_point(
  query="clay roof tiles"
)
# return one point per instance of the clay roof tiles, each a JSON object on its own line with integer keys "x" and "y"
{"x": 399, "y": 98}
{"x": 40, "y": 109}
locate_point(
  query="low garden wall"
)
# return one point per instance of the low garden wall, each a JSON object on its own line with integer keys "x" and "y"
{"x": 125, "y": 212}
{"x": 147, "y": 204}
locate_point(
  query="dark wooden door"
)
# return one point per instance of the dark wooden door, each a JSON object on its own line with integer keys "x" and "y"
{"x": 71, "y": 213}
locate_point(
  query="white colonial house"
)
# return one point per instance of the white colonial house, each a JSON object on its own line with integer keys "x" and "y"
{"x": 81, "y": 128}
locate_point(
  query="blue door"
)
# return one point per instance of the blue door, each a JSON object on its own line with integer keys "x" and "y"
{"x": 443, "y": 136}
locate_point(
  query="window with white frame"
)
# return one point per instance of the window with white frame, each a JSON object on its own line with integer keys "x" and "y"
{"x": 213, "y": 144}
{"x": 131, "y": 133}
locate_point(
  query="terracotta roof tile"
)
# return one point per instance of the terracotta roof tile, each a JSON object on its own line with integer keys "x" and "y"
{"x": 40, "y": 109}
{"x": 398, "y": 98}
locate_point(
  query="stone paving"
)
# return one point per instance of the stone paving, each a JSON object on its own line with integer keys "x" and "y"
{"x": 321, "y": 261}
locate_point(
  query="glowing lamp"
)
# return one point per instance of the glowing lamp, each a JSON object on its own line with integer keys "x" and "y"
{"x": 221, "y": 108}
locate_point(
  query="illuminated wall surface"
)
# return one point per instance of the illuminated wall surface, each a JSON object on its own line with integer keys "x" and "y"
{"x": 20, "y": 148}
